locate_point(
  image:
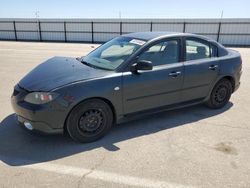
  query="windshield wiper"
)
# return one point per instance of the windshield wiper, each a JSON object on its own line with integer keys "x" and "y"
{"x": 91, "y": 65}
{"x": 85, "y": 63}
{"x": 88, "y": 64}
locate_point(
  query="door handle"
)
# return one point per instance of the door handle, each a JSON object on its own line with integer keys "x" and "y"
{"x": 213, "y": 67}
{"x": 174, "y": 74}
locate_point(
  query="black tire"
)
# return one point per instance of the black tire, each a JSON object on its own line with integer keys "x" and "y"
{"x": 89, "y": 121}
{"x": 220, "y": 94}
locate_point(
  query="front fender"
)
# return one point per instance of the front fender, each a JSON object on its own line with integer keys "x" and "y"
{"x": 108, "y": 88}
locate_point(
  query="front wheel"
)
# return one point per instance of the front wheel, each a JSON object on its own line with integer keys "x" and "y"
{"x": 89, "y": 121}
{"x": 220, "y": 95}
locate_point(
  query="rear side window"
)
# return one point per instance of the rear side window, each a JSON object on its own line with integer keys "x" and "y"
{"x": 196, "y": 50}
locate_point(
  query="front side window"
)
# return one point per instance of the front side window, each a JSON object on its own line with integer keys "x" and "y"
{"x": 113, "y": 53}
{"x": 196, "y": 50}
{"x": 162, "y": 53}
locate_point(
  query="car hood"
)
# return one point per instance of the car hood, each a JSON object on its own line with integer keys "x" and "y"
{"x": 58, "y": 71}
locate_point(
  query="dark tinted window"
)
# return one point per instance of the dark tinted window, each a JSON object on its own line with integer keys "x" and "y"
{"x": 162, "y": 53}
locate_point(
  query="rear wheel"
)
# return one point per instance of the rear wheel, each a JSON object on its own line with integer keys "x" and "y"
{"x": 220, "y": 95}
{"x": 89, "y": 120}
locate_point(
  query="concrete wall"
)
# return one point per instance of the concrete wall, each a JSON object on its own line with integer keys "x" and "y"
{"x": 226, "y": 31}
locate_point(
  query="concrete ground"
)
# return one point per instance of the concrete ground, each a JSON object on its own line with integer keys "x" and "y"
{"x": 191, "y": 147}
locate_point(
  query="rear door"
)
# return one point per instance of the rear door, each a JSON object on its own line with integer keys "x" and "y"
{"x": 201, "y": 68}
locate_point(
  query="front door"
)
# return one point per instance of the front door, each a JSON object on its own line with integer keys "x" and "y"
{"x": 158, "y": 87}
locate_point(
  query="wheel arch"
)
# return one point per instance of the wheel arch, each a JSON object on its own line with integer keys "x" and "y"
{"x": 228, "y": 77}
{"x": 108, "y": 102}
{"x": 231, "y": 79}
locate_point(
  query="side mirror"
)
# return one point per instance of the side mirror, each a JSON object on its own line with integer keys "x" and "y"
{"x": 141, "y": 65}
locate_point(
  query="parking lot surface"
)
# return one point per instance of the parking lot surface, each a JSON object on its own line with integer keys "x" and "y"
{"x": 191, "y": 147}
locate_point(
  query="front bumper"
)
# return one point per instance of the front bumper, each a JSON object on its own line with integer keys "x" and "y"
{"x": 42, "y": 118}
{"x": 37, "y": 126}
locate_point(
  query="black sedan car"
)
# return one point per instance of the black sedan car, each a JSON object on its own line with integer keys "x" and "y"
{"x": 130, "y": 75}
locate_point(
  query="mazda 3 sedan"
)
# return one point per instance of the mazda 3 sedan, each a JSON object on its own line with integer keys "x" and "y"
{"x": 131, "y": 75}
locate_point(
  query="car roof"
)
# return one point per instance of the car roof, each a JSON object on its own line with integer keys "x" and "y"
{"x": 152, "y": 35}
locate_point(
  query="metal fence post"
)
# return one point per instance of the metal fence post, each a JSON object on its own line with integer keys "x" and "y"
{"x": 14, "y": 25}
{"x": 65, "y": 32}
{"x": 218, "y": 34}
{"x": 120, "y": 28}
{"x": 92, "y": 32}
{"x": 184, "y": 27}
{"x": 39, "y": 30}
{"x": 151, "y": 26}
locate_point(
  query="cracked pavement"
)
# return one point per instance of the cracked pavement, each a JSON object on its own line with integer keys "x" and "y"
{"x": 191, "y": 147}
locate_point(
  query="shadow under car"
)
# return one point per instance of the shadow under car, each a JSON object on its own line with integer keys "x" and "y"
{"x": 18, "y": 148}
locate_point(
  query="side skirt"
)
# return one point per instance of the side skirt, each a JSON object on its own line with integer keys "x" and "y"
{"x": 141, "y": 114}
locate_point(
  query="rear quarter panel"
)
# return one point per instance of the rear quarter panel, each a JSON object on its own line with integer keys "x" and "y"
{"x": 230, "y": 65}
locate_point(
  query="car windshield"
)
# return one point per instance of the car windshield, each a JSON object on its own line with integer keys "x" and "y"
{"x": 113, "y": 53}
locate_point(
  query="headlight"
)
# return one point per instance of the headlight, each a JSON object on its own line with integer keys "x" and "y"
{"x": 40, "y": 97}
